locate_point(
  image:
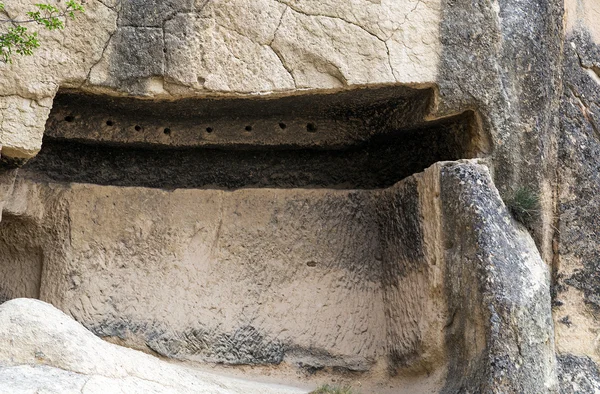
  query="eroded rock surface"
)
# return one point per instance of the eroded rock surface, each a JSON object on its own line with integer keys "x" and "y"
{"x": 44, "y": 350}
{"x": 222, "y": 275}
{"x": 577, "y": 284}
{"x": 322, "y": 117}
{"x": 188, "y": 48}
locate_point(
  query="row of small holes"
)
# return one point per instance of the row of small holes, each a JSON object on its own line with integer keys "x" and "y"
{"x": 310, "y": 127}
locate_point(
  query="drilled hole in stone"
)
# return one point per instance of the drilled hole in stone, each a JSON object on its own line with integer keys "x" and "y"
{"x": 248, "y": 128}
{"x": 312, "y": 263}
{"x": 167, "y": 131}
{"x": 69, "y": 118}
{"x": 311, "y": 127}
{"x": 282, "y": 126}
{"x": 209, "y": 130}
{"x": 110, "y": 123}
{"x": 138, "y": 127}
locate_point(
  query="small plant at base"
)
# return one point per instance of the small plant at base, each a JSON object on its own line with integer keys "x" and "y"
{"x": 327, "y": 389}
{"x": 17, "y": 38}
{"x": 524, "y": 205}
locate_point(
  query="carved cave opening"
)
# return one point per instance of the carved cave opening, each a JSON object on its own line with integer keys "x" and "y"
{"x": 221, "y": 274}
{"x": 356, "y": 139}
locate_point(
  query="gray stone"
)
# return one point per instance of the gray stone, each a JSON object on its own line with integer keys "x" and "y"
{"x": 578, "y": 375}
{"x": 498, "y": 288}
{"x": 44, "y": 350}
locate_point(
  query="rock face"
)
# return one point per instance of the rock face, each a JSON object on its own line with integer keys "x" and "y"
{"x": 45, "y": 350}
{"x": 183, "y": 48}
{"x": 321, "y": 187}
{"x": 222, "y": 276}
{"x": 576, "y": 305}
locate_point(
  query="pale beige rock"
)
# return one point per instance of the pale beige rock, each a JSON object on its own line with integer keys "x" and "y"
{"x": 406, "y": 28}
{"x": 21, "y": 120}
{"x": 583, "y": 13}
{"x": 28, "y": 85}
{"x": 7, "y": 180}
{"x": 219, "y": 44}
{"x": 353, "y": 280}
{"x": 44, "y": 350}
{"x": 192, "y": 273}
{"x": 324, "y": 52}
{"x": 225, "y": 46}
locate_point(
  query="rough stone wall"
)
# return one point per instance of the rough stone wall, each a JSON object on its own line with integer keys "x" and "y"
{"x": 503, "y": 59}
{"x": 183, "y": 48}
{"x": 223, "y": 276}
{"x": 45, "y": 350}
{"x": 7, "y": 179}
{"x": 500, "y": 335}
{"x": 576, "y": 305}
{"x": 534, "y": 90}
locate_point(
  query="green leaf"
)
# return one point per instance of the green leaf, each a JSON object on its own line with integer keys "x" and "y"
{"x": 18, "y": 40}
{"x": 48, "y": 8}
{"x": 75, "y": 6}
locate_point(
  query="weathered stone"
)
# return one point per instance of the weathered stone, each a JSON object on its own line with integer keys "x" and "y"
{"x": 7, "y": 180}
{"x": 500, "y": 332}
{"x": 578, "y": 375}
{"x": 184, "y": 48}
{"x": 425, "y": 277}
{"x": 44, "y": 350}
{"x": 575, "y": 296}
{"x": 503, "y": 57}
{"x": 384, "y": 264}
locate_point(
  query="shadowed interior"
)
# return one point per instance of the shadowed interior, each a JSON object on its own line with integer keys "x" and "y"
{"x": 359, "y": 139}
{"x": 222, "y": 276}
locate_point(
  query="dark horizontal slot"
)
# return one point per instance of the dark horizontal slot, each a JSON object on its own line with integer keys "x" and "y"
{"x": 378, "y": 162}
{"x": 308, "y": 120}
{"x": 340, "y": 104}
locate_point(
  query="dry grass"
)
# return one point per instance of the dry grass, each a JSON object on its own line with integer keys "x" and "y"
{"x": 327, "y": 389}
{"x": 524, "y": 205}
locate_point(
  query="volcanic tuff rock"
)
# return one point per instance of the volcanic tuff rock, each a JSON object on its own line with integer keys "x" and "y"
{"x": 183, "y": 48}
{"x": 44, "y": 350}
{"x": 279, "y": 183}
{"x": 392, "y": 267}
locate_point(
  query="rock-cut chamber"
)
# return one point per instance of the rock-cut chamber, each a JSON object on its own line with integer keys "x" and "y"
{"x": 241, "y": 230}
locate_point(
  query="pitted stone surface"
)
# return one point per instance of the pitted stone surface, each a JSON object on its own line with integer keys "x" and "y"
{"x": 577, "y": 285}
{"x": 500, "y": 59}
{"x": 222, "y": 276}
{"x": 44, "y": 350}
{"x": 183, "y": 48}
{"x": 498, "y": 291}
{"x": 578, "y": 375}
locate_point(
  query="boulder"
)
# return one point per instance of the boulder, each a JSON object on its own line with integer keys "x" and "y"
{"x": 44, "y": 350}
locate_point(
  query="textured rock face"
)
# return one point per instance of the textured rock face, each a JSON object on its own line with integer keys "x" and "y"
{"x": 44, "y": 350}
{"x": 256, "y": 182}
{"x": 576, "y": 306}
{"x": 188, "y": 48}
{"x": 222, "y": 276}
{"x": 506, "y": 345}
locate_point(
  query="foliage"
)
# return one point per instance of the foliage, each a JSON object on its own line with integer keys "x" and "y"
{"x": 524, "y": 205}
{"x": 327, "y": 389}
{"x": 17, "y": 38}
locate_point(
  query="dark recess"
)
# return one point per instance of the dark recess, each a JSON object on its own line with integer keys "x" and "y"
{"x": 376, "y": 163}
{"x": 354, "y": 139}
